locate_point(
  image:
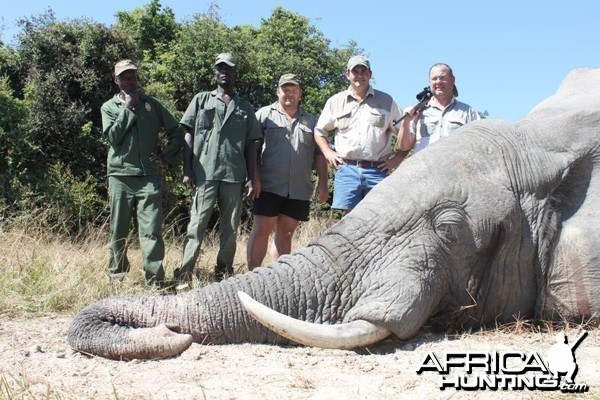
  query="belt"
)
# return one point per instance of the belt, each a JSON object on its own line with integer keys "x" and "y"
{"x": 363, "y": 163}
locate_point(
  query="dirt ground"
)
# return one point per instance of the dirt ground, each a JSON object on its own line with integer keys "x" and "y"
{"x": 37, "y": 363}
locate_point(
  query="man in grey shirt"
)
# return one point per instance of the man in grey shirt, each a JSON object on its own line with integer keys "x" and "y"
{"x": 287, "y": 158}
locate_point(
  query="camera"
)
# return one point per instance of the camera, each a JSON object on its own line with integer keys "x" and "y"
{"x": 424, "y": 94}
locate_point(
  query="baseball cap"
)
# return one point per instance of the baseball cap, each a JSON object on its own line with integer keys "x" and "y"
{"x": 358, "y": 60}
{"x": 123, "y": 66}
{"x": 226, "y": 58}
{"x": 289, "y": 78}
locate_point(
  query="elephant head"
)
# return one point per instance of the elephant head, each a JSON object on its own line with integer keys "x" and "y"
{"x": 495, "y": 222}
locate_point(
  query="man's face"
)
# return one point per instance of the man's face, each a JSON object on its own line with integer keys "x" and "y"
{"x": 225, "y": 74}
{"x": 127, "y": 81}
{"x": 359, "y": 76}
{"x": 289, "y": 95}
{"x": 441, "y": 82}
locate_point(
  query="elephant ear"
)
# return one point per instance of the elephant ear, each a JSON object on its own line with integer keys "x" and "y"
{"x": 569, "y": 246}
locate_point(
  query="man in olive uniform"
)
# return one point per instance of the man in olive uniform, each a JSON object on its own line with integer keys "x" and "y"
{"x": 220, "y": 152}
{"x": 131, "y": 123}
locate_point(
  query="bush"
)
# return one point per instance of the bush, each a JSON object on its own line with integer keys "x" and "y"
{"x": 63, "y": 203}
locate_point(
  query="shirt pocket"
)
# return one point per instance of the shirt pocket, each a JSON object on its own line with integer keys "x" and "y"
{"x": 377, "y": 117}
{"x": 342, "y": 121}
{"x": 275, "y": 142}
{"x": 454, "y": 124}
{"x": 306, "y": 135}
{"x": 205, "y": 120}
{"x": 146, "y": 112}
{"x": 204, "y": 125}
{"x": 274, "y": 134}
{"x": 429, "y": 126}
{"x": 237, "y": 120}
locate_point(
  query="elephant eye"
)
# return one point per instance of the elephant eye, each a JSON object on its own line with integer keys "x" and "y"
{"x": 448, "y": 231}
{"x": 449, "y": 221}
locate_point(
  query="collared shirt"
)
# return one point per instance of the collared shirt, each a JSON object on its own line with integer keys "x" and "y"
{"x": 288, "y": 152}
{"x": 434, "y": 122}
{"x": 220, "y": 136}
{"x": 363, "y": 129}
{"x": 133, "y": 135}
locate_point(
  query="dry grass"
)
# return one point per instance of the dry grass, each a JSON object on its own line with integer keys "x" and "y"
{"x": 41, "y": 273}
{"x": 44, "y": 273}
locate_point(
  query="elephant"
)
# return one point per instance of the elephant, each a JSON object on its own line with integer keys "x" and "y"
{"x": 496, "y": 222}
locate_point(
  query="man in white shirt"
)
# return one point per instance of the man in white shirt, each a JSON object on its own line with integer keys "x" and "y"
{"x": 362, "y": 121}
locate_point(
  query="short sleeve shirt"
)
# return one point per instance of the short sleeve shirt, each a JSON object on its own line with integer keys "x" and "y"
{"x": 363, "y": 129}
{"x": 287, "y": 153}
{"x": 435, "y": 123}
{"x": 220, "y": 136}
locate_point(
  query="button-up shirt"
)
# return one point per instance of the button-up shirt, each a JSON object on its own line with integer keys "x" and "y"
{"x": 434, "y": 122}
{"x": 288, "y": 152}
{"x": 220, "y": 136}
{"x": 363, "y": 129}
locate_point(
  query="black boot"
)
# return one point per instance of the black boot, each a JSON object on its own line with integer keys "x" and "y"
{"x": 222, "y": 272}
{"x": 183, "y": 280}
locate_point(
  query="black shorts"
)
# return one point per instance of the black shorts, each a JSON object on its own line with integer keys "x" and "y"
{"x": 271, "y": 205}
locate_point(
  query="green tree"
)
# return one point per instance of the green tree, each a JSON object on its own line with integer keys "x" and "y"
{"x": 17, "y": 152}
{"x": 287, "y": 42}
{"x": 190, "y": 60}
{"x": 284, "y": 42}
{"x": 68, "y": 68}
{"x": 151, "y": 28}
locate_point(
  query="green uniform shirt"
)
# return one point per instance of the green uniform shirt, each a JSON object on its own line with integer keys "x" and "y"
{"x": 220, "y": 136}
{"x": 134, "y": 135}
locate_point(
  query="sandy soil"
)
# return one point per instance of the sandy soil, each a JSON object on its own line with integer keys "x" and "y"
{"x": 37, "y": 363}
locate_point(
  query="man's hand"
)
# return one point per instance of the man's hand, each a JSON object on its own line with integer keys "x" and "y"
{"x": 391, "y": 164}
{"x": 252, "y": 189}
{"x": 333, "y": 158}
{"x": 189, "y": 181}
{"x": 410, "y": 113}
{"x": 321, "y": 193}
{"x": 131, "y": 99}
{"x": 157, "y": 158}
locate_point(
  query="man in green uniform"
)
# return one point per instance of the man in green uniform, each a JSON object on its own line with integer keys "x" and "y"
{"x": 220, "y": 153}
{"x": 131, "y": 123}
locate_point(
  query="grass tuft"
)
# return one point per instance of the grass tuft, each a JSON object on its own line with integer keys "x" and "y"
{"x": 41, "y": 272}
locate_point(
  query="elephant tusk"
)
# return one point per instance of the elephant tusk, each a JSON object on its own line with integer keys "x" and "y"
{"x": 350, "y": 335}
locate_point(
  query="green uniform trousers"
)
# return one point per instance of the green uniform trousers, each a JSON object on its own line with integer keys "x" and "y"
{"x": 138, "y": 196}
{"x": 228, "y": 197}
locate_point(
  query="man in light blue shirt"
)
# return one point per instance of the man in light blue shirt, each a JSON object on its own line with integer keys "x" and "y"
{"x": 442, "y": 115}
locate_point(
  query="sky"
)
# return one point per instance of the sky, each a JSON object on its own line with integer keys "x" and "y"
{"x": 506, "y": 55}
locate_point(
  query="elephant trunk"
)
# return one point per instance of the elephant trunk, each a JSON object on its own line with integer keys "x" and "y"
{"x": 301, "y": 286}
{"x": 113, "y": 328}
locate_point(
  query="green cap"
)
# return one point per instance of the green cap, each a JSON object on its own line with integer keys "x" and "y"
{"x": 226, "y": 58}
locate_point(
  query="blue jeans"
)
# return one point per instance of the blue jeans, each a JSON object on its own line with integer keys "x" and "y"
{"x": 352, "y": 184}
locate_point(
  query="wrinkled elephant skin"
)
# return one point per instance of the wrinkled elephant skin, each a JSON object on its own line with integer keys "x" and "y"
{"x": 497, "y": 221}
